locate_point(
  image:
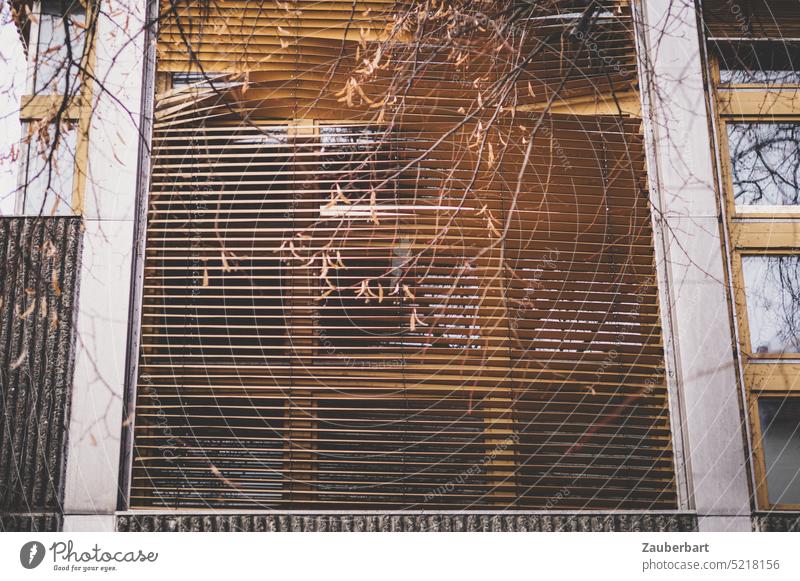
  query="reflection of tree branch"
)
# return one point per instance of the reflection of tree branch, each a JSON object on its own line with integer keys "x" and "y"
{"x": 485, "y": 137}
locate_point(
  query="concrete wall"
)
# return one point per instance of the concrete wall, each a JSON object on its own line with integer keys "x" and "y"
{"x": 93, "y": 459}
{"x": 697, "y": 309}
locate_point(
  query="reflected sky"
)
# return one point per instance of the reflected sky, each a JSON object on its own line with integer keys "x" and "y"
{"x": 772, "y": 289}
{"x": 765, "y": 163}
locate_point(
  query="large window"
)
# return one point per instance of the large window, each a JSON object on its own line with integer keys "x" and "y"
{"x": 765, "y": 163}
{"x": 48, "y": 178}
{"x": 365, "y": 294}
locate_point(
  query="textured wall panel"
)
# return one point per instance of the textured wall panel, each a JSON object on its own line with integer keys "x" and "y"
{"x": 33, "y": 523}
{"x": 39, "y": 260}
{"x": 408, "y": 523}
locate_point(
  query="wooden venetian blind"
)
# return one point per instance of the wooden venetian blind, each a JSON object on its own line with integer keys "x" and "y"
{"x": 346, "y": 308}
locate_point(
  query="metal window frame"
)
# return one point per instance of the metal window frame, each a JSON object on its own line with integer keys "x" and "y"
{"x": 137, "y": 261}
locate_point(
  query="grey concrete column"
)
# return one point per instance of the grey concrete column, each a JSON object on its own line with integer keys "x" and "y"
{"x": 686, "y": 208}
{"x": 93, "y": 462}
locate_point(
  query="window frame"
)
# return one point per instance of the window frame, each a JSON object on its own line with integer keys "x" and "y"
{"x": 762, "y": 491}
{"x": 746, "y": 86}
{"x": 40, "y": 107}
{"x": 34, "y": 42}
{"x": 759, "y": 232}
{"x": 741, "y": 302}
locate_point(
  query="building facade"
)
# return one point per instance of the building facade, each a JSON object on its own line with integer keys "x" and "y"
{"x": 404, "y": 266}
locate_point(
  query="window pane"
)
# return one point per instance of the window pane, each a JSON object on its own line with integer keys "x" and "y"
{"x": 762, "y": 63}
{"x": 772, "y": 290}
{"x": 55, "y": 62}
{"x": 219, "y": 81}
{"x": 186, "y": 79}
{"x": 765, "y": 163}
{"x": 780, "y": 439}
{"x": 49, "y": 174}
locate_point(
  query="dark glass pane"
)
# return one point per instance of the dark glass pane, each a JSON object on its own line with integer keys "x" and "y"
{"x": 57, "y": 60}
{"x": 761, "y": 63}
{"x": 772, "y": 290}
{"x": 780, "y": 439}
{"x": 765, "y": 163}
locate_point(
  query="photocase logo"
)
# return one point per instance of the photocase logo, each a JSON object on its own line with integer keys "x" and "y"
{"x": 31, "y": 554}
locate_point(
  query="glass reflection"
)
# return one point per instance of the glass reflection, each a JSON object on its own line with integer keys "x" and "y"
{"x": 765, "y": 163}
{"x": 780, "y": 439}
{"x": 60, "y": 47}
{"x": 772, "y": 291}
{"x": 761, "y": 63}
{"x": 49, "y": 171}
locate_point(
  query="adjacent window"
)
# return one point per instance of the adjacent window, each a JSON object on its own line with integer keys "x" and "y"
{"x": 759, "y": 120}
{"x": 49, "y": 171}
{"x": 780, "y": 441}
{"x": 772, "y": 291}
{"x": 758, "y": 63}
{"x": 316, "y": 346}
{"x": 765, "y": 163}
{"x": 59, "y": 47}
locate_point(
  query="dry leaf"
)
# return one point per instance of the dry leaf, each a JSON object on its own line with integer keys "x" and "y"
{"x": 56, "y": 286}
{"x": 19, "y": 361}
{"x": 415, "y": 320}
{"x": 28, "y": 311}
